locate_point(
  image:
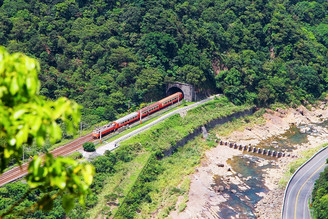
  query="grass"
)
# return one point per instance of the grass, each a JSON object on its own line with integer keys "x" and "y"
{"x": 109, "y": 138}
{"x": 294, "y": 165}
{"x": 147, "y": 120}
{"x": 76, "y": 155}
{"x": 166, "y": 134}
{"x": 278, "y": 105}
{"x": 120, "y": 183}
{"x": 174, "y": 181}
{"x": 312, "y": 215}
{"x": 239, "y": 124}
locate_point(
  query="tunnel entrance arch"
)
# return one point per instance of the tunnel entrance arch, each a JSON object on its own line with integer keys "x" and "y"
{"x": 173, "y": 90}
{"x": 187, "y": 90}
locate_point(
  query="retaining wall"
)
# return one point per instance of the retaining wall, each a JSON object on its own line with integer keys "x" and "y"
{"x": 208, "y": 126}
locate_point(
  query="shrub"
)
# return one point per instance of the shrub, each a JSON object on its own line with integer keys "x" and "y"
{"x": 76, "y": 155}
{"x": 89, "y": 147}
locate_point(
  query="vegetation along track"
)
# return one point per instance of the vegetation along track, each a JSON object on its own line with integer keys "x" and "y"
{"x": 20, "y": 171}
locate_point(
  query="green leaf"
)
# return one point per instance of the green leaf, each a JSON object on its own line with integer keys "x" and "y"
{"x": 39, "y": 140}
{"x": 31, "y": 85}
{"x": 19, "y": 113}
{"x": 61, "y": 106}
{"x": 55, "y": 132}
{"x": 88, "y": 173}
{"x": 36, "y": 165}
{"x": 32, "y": 119}
{"x": 36, "y": 124}
{"x": 59, "y": 181}
{"x": 14, "y": 86}
{"x": 46, "y": 203}
{"x": 68, "y": 202}
{"x": 22, "y": 136}
{"x": 8, "y": 152}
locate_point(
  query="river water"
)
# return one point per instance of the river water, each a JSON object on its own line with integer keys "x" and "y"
{"x": 240, "y": 201}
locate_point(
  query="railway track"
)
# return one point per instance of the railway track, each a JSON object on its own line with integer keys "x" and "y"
{"x": 20, "y": 171}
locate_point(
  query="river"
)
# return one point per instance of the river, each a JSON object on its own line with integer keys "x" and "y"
{"x": 250, "y": 169}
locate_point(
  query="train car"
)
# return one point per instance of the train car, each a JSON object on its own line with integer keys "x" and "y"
{"x": 149, "y": 109}
{"x": 171, "y": 99}
{"x": 115, "y": 125}
{"x": 127, "y": 119}
{"x": 104, "y": 130}
{"x": 136, "y": 115}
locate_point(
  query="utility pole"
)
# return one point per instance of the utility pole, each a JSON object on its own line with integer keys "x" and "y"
{"x": 178, "y": 99}
{"x": 80, "y": 129}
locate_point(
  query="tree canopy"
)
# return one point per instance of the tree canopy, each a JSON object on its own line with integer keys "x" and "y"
{"x": 27, "y": 117}
{"x": 112, "y": 55}
{"x": 320, "y": 196}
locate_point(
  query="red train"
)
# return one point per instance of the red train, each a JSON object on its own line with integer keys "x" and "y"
{"x": 136, "y": 115}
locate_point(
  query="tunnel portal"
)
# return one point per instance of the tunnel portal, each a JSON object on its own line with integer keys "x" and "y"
{"x": 187, "y": 90}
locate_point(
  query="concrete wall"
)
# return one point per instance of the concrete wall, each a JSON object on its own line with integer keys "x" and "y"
{"x": 208, "y": 126}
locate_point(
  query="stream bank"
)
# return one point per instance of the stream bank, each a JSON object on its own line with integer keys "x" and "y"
{"x": 231, "y": 183}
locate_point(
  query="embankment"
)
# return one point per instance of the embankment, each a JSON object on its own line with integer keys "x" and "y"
{"x": 164, "y": 139}
{"x": 208, "y": 126}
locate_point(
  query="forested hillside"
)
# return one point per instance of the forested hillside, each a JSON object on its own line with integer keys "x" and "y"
{"x": 320, "y": 196}
{"x": 110, "y": 56}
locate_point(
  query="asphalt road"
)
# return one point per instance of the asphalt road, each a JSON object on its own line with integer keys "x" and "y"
{"x": 300, "y": 188}
{"x": 112, "y": 145}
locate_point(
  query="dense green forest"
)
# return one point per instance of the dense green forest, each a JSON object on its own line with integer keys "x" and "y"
{"x": 111, "y": 56}
{"x": 320, "y": 196}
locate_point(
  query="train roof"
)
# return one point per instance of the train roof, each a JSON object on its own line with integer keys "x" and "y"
{"x": 126, "y": 117}
{"x": 149, "y": 106}
{"x": 160, "y": 101}
{"x": 109, "y": 125}
{"x": 169, "y": 97}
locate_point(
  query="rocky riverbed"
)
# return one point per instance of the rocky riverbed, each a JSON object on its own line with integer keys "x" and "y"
{"x": 216, "y": 185}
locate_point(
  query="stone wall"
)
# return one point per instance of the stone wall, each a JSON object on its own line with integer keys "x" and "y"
{"x": 208, "y": 126}
{"x": 187, "y": 90}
